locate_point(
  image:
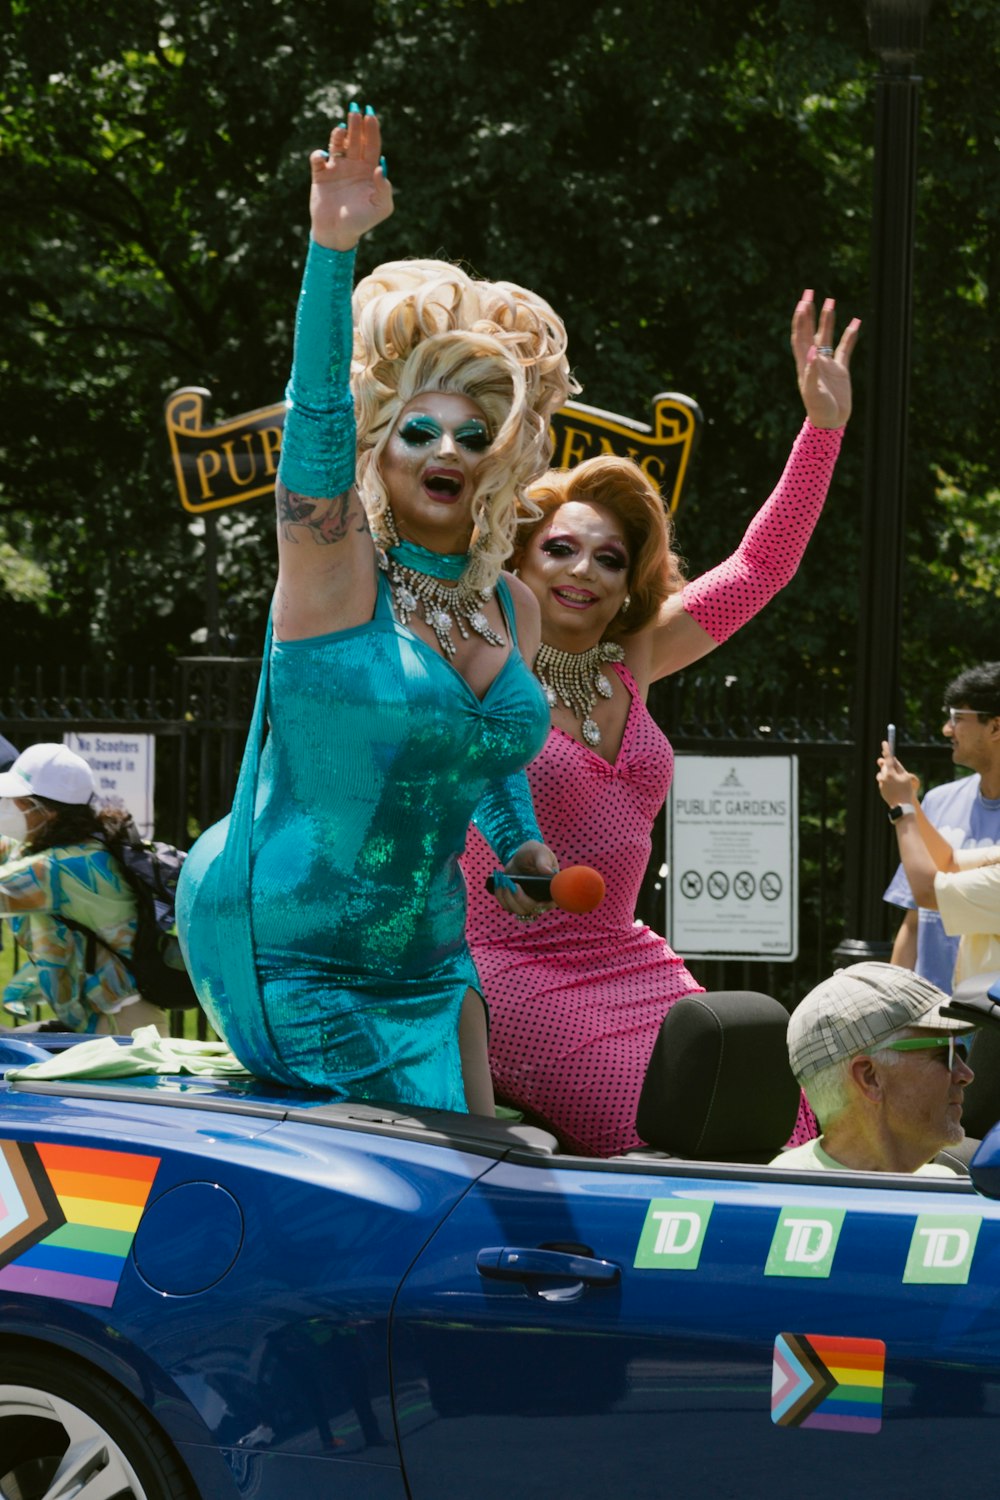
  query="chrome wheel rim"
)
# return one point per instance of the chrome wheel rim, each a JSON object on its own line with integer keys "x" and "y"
{"x": 89, "y": 1464}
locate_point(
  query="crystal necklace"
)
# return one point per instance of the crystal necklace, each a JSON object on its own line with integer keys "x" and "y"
{"x": 415, "y": 577}
{"x": 577, "y": 679}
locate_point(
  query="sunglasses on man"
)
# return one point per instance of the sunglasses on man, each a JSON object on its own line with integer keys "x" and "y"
{"x": 958, "y": 1046}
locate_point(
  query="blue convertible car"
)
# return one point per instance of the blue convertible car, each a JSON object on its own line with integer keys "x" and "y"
{"x": 218, "y": 1289}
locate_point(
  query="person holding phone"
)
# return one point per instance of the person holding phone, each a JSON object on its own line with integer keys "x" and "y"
{"x": 963, "y": 885}
{"x": 965, "y": 811}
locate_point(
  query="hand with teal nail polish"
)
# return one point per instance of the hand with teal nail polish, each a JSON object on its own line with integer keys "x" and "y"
{"x": 349, "y": 194}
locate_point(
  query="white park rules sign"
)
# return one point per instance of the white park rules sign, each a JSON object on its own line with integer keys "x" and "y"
{"x": 733, "y": 857}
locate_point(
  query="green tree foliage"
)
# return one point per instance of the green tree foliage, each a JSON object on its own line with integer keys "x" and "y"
{"x": 670, "y": 176}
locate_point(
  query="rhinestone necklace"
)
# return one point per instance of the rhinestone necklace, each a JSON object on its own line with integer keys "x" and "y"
{"x": 415, "y": 577}
{"x": 576, "y": 678}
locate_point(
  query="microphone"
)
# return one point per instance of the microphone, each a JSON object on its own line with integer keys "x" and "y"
{"x": 578, "y": 888}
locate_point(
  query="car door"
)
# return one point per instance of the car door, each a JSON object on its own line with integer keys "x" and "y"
{"x": 589, "y": 1329}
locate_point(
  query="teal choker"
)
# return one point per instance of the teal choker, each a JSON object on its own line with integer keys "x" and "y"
{"x": 450, "y": 565}
{"x": 433, "y": 581}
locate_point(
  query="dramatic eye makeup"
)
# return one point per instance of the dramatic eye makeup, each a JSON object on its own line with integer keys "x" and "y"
{"x": 473, "y": 435}
{"x": 418, "y": 432}
{"x": 612, "y": 558}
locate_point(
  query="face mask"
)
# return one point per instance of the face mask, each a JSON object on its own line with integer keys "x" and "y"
{"x": 13, "y": 823}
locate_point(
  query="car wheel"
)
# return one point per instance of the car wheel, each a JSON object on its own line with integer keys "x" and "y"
{"x": 67, "y": 1431}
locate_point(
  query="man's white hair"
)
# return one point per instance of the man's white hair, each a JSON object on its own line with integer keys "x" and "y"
{"x": 829, "y": 1091}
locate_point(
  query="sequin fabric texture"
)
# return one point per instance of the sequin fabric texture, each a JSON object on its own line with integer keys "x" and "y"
{"x": 377, "y": 756}
{"x": 81, "y": 881}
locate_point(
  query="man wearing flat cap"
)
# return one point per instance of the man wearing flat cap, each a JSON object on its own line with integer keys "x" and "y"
{"x": 884, "y": 1071}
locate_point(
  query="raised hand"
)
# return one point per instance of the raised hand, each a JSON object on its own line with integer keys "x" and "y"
{"x": 350, "y": 191}
{"x": 823, "y": 372}
{"x": 895, "y": 783}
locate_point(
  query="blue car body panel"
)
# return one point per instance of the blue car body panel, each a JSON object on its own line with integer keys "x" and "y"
{"x": 324, "y": 1299}
{"x": 281, "y": 1353}
{"x": 662, "y": 1383}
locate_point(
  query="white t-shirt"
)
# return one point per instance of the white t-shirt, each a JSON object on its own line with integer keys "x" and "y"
{"x": 810, "y": 1156}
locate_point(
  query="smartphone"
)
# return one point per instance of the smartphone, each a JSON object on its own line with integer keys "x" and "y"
{"x": 890, "y": 734}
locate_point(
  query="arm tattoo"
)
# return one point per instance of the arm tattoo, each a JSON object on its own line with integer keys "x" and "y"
{"x": 327, "y": 521}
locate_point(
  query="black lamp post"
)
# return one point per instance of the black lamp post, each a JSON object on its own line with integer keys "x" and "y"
{"x": 896, "y": 30}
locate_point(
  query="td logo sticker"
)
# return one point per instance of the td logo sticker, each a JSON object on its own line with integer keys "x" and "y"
{"x": 673, "y": 1234}
{"x": 942, "y": 1247}
{"x": 804, "y": 1242}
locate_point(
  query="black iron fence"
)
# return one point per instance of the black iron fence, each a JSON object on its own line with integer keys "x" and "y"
{"x": 199, "y": 713}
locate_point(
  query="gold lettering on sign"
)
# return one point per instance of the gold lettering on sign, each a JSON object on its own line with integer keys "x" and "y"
{"x": 663, "y": 449}
{"x": 226, "y": 464}
{"x": 237, "y": 460}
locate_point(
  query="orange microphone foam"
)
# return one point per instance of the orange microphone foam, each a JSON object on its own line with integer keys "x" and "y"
{"x": 578, "y": 888}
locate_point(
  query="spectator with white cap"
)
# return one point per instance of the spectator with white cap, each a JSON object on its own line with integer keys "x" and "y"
{"x": 883, "y": 1069}
{"x": 57, "y": 876}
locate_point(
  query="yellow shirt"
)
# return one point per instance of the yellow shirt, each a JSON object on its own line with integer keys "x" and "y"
{"x": 969, "y": 903}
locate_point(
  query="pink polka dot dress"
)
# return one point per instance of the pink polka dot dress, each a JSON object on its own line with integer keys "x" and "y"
{"x": 576, "y": 1002}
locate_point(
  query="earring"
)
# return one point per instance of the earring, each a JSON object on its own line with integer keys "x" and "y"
{"x": 625, "y": 604}
{"x": 386, "y": 533}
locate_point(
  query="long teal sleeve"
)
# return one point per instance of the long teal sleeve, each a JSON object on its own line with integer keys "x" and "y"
{"x": 505, "y": 815}
{"x": 318, "y": 444}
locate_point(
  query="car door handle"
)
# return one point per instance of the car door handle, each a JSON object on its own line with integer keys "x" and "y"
{"x": 517, "y": 1263}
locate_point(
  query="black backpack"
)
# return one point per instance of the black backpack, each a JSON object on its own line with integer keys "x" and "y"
{"x": 151, "y": 871}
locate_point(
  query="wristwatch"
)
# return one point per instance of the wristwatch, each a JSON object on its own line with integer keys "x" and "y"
{"x": 895, "y": 813}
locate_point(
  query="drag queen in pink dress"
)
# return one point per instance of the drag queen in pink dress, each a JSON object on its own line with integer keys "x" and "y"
{"x": 576, "y": 1002}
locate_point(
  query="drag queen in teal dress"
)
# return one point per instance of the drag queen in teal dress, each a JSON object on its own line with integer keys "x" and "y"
{"x": 323, "y": 921}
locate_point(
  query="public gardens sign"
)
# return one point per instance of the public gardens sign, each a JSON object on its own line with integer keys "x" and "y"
{"x": 236, "y": 460}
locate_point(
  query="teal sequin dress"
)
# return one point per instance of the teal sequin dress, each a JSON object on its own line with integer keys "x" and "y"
{"x": 323, "y": 921}
{"x": 347, "y": 966}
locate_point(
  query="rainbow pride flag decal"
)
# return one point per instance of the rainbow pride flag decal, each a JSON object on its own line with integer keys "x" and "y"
{"x": 68, "y": 1215}
{"x": 834, "y": 1384}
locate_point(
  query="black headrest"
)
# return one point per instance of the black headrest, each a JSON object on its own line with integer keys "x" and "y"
{"x": 981, "y": 1101}
{"x": 977, "y": 1000}
{"x": 719, "y": 1086}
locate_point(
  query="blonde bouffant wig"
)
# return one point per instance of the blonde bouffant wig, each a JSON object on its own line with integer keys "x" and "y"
{"x": 617, "y": 485}
{"x": 425, "y": 325}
